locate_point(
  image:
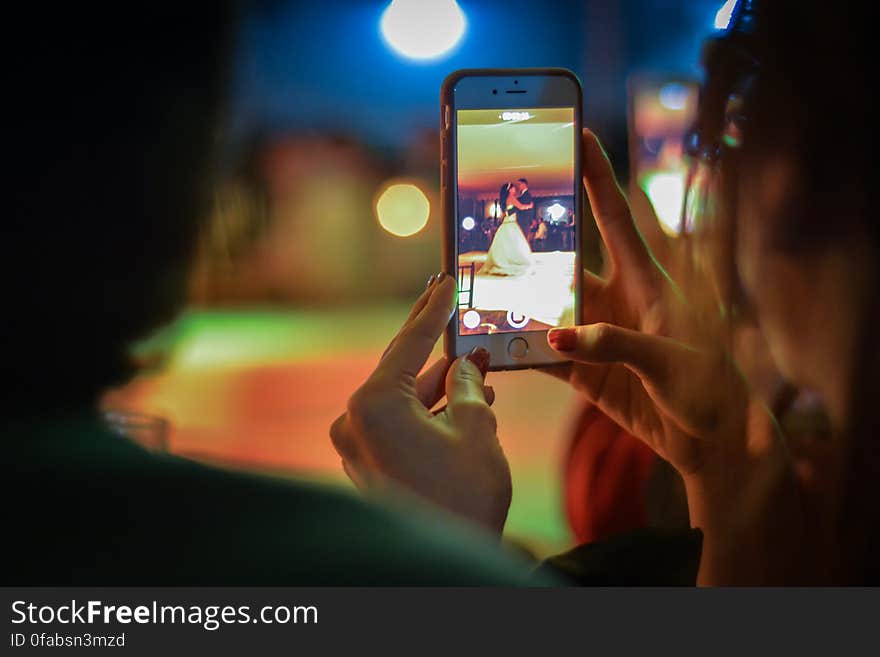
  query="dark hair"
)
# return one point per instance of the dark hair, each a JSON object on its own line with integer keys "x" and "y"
{"x": 523, "y": 180}
{"x": 114, "y": 124}
{"x": 503, "y": 195}
{"x": 814, "y": 103}
{"x": 812, "y": 99}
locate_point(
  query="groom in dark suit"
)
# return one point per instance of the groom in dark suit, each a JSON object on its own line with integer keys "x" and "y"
{"x": 525, "y": 212}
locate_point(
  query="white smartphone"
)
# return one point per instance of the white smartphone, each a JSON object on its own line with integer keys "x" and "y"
{"x": 512, "y": 208}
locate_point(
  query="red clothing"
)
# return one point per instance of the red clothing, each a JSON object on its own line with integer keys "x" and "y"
{"x": 606, "y": 478}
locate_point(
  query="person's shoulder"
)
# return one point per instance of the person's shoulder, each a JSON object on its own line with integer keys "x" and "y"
{"x": 132, "y": 517}
{"x": 642, "y": 557}
{"x": 325, "y": 534}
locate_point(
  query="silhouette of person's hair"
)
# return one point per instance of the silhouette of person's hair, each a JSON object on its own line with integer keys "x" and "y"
{"x": 503, "y": 197}
{"x": 113, "y": 140}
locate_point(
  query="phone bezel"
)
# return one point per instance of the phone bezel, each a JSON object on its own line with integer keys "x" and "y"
{"x": 472, "y": 89}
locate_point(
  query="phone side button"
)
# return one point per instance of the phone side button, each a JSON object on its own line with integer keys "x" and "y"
{"x": 518, "y": 348}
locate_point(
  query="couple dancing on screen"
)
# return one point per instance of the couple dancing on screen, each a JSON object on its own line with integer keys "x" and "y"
{"x": 510, "y": 253}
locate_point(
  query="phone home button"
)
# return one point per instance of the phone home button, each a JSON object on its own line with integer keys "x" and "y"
{"x": 518, "y": 348}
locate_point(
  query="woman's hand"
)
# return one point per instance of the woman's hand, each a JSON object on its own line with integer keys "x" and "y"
{"x": 626, "y": 359}
{"x": 451, "y": 457}
{"x": 662, "y": 370}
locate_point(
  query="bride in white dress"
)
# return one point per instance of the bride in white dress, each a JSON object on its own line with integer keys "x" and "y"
{"x": 510, "y": 253}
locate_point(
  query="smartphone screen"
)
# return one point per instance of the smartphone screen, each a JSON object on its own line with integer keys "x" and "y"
{"x": 662, "y": 111}
{"x": 515, "y": 219}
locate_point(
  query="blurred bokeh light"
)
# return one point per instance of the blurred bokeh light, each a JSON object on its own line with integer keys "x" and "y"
{"x": 423, "y": 29}
{"x": 674, "y": 96}
{"x": 402, "y": 209}
{"x": 666, "y": 191}
{"x": 722, "y": 18}
{"x": 556, "y": 211}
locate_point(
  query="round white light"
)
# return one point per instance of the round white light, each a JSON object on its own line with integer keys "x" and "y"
{"x": 471, "y": 319}
{"x": 422, "y": 29}
{"x": 468, "y": 223}
{"x": 556, "y": 211}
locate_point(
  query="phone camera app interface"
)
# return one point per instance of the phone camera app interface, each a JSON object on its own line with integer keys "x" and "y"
{"x": 516, "y": 219}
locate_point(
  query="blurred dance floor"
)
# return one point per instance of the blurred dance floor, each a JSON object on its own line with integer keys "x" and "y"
{"x": 258, "y": 389}
{"x": 544, "y": 294}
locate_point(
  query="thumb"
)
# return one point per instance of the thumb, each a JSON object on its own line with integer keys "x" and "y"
{"x": 465, "y": 393}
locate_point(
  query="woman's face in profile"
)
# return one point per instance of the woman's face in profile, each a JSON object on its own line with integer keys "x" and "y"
{"x": 771, "y": 280}
{"x": 804, "y": 296}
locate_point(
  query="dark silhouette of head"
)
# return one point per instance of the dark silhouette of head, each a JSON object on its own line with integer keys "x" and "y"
{"x": 115, "y": 117}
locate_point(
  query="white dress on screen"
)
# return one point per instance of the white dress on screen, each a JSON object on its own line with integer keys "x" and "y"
{"x": 510, "y": 253}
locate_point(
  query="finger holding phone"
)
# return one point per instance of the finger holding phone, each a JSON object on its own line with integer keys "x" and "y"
{"x": 389, "y": 437}
{"x": 452, "y": 457}
{"x": 645, "y": 357}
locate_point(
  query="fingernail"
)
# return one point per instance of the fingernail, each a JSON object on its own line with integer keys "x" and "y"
{"x": 479, "y": 356}
{"x": 439, "y": 276}
{"x": 562, "y": 339}
{"x": 431, "y": 280}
